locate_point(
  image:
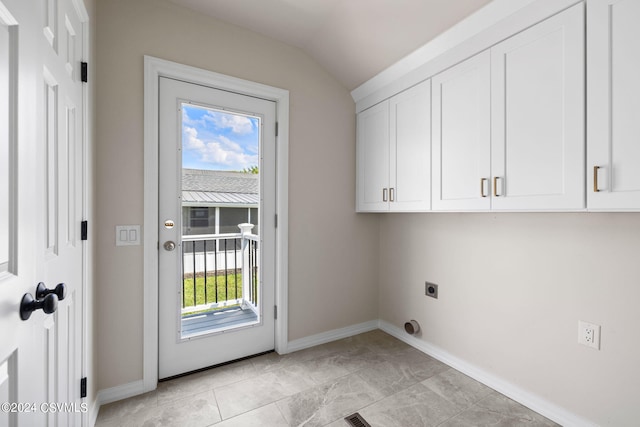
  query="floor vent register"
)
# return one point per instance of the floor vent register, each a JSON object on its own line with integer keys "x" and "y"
{"x": 356, "y": 420}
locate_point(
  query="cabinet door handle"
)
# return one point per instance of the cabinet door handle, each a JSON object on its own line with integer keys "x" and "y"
{"x": 384, "y": 194}
{"x": 482, "y": 181}
{"x": 595, "y": 179}
{"x": 392, "y": 195}
{"x": 495, "y": 186}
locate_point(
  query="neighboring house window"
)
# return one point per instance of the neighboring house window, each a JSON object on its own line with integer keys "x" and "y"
{"x": 199, "y": 217}
{"x": 230, "y": 218}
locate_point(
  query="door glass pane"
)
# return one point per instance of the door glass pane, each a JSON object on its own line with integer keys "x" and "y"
{"x": 220, "y": 186}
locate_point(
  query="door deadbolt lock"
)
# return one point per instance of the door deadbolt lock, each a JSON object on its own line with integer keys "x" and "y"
{"x": 169, "y": 245}
{"x": 169, "y": 224}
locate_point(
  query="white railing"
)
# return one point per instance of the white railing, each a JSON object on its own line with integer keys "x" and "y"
{"x": 220, "y": 270}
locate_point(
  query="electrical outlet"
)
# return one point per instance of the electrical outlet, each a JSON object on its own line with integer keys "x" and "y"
{"x": 589, "y": 334}
{"x": 431, "y": 290}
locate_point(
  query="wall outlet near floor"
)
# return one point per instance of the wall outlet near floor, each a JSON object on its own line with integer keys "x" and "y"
{"x": 589, "y": 334}
{"x": 431, "y": 290}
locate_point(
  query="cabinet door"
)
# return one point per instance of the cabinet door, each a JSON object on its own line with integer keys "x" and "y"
{"x": 462, "y": 136}
{"x": 613, "y": 126}
{"x": 373, "y": 159}
{"x": 410, "y": 150}
{"x": 538, "y": 142}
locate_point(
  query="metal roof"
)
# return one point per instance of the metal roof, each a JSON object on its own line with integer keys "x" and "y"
{"x": 216, "y": 188}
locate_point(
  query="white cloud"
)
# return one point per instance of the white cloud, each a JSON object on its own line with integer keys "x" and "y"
{"x": 192, "y": 142}
{"x": 238, "y": 124}
{"x": 188, "y": 121}
{"x": 220, "y": 152}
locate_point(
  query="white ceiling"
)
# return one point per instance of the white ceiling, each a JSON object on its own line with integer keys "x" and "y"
{"x": 352, "y": 39}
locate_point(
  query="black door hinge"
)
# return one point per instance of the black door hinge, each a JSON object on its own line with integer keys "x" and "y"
{"x": 276, "y": 128}
{"x": 84, "y": 72}
{"x": 84, "y": 228}
{"x": 275, "y": 312}
{"x": 83, "y": 387}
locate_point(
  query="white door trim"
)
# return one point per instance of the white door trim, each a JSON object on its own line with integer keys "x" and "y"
{"x": 87, "y": 367}
{"x": 153, "y": 69}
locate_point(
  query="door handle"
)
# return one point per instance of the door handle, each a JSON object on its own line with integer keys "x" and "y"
{"x": 169, "y": 245}
{"x": 28, "y": 305}
{"x": 60, "y": 291}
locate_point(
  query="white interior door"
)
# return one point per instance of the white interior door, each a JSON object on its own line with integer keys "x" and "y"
{"x": 40, "y": 211}
{"x": 62, "y": 176}
{"x": 209, "y": 125}
{"x": 21, "y": 370}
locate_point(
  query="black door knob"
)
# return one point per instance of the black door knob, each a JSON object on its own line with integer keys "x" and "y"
{"x": 60, "y": 290}
{"x": 28, "y": 305}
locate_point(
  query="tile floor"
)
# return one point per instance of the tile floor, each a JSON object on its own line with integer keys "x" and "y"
{"x": 388, "y": 382}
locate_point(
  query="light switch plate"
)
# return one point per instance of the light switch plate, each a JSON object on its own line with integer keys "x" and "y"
{"x": 127, "y": 235}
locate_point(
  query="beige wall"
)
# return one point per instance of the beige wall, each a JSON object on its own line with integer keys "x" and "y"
{"x": 332, "y": 278}
{"x": 512, "y": 289}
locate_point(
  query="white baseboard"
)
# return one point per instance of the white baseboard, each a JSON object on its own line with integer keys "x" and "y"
{"x": 528, "y": 399}
{"x": 120, "y": 392}
{"x": 329, "y": 336}
{"x": 114, "y": 394}
{"x": 94, "y": 408}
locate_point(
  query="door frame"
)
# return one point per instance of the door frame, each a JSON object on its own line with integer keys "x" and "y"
{"x": 87, "y": 368}
{"x": 154, "y": 68}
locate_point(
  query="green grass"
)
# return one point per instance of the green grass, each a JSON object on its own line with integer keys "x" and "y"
{"x": 228, "y": 294}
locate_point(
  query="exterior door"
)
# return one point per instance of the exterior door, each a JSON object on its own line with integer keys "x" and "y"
{"x": 216, "y": 285}
{"x": 41, "y": 207}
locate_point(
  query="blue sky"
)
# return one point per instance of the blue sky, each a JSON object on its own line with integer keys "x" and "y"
{"x": 216, "y": 140}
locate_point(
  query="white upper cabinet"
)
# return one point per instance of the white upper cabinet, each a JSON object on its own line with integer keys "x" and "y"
{"x": 373, "y": 159}
{"x": 508, "y": 123}
{"x": 461, "y": 110}
{"x": 537, "y": 116}
{"x": 410, "y": 161}
{"x": 613, "y": 110}
{"x": 393, "y": 152}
